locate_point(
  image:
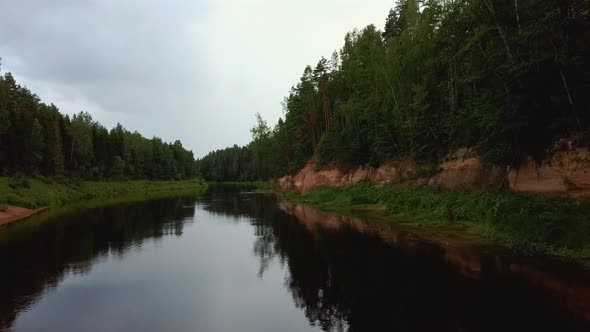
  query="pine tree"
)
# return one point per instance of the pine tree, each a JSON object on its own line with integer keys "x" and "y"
{"x": 54, "y": 146}
{"x": 36, "y": 146}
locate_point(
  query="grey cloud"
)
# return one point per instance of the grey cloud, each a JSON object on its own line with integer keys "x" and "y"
{"x": 190, "y": 70}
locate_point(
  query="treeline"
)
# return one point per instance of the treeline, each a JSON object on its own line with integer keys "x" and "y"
{"x": 504, "y": 77}
{"x": 36, "y": 139}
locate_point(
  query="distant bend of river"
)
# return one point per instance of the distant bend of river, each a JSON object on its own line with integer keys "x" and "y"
{"x": 235, "y": 260}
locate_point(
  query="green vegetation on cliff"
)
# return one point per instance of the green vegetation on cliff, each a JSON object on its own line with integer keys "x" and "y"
{"x": 32, "y": 193}
{"x": 528, "y": 223}
{"x": 506, "y": 78}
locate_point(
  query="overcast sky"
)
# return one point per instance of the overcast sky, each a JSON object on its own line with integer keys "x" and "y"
{"x": 196, "y": 70}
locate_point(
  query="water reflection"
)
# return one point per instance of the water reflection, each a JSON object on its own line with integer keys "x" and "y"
{"x": 37, "y": 261}
{"x": 342, "y": 273}
{"x": 351, "y": 275}
{"x": 377, "y": 276}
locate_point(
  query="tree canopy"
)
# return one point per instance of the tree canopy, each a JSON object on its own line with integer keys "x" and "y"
{"x": 506, "y": 78}
{"x": 35, "y": 138}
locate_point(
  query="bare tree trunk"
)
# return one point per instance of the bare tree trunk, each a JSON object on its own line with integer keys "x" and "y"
{"x": 566, "y": 88}
{"x": 391, "y": 87}
{"x": 325, "y": 104}
{"x": 451, "y": 86}
{"x": 490, "y": 6}
{"x": 517, "y": 16}
{"x": 495, "y": 72}
{"x": 72, "y": 150}
{"x": 311, "y": 124}
{"x": 569, "y": 96}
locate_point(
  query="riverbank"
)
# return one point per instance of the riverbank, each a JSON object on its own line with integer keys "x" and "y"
{"x": 23, "y": 197}
{"x": 10, "y": 213}
{"x": 530, "y": 224}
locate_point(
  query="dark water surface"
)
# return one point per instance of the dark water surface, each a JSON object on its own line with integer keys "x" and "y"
{"x": 240, "y": 261}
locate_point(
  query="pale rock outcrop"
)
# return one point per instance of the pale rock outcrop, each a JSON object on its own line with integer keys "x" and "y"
{"x": 573, "y": 165}
{"x": 565, "y": 171}
{"x": 465, "y": 170}
{"x": 462, "y": 169}
{"x": 392, "y": 172}
{"x": 309, "y": 178}
{"x": 286, "y": 183}
{"x": 395, "y": 171}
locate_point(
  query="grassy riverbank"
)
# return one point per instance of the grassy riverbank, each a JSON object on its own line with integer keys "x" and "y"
{"x": 36, "y": 192}
{"x": 528, "y": 223}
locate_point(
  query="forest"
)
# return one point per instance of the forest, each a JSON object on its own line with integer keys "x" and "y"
{"x": 36, "y": 139}
{"x": 506, "y": 78}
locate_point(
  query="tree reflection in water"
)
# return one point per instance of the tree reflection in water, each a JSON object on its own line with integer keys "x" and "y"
{"x": 344, "y": 273}
{"x": 36, "y": 260}
{"x": 350, "y": 275}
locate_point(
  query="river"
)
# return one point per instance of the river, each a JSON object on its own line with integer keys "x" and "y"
{"x": 235, "y": 260}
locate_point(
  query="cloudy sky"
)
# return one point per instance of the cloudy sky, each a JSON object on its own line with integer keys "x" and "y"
{"x": 195, "y": 70}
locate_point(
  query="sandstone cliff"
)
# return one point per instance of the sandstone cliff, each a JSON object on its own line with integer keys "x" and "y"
{"x": 566, "y": 170}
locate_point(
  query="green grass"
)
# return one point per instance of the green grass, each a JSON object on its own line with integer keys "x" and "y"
{"x": 528, "y": 223}
{"x": 22, "y": 230}
{"x": 33, "y": 193}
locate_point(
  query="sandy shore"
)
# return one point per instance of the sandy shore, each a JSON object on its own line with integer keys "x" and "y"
{"x": 15, "y": 213}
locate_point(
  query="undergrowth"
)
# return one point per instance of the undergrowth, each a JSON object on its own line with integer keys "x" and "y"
{"x": 528, "y": 223}
{"x": 42, "y": 191}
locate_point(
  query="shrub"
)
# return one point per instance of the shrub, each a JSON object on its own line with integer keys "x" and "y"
{"x": 20, "y": 183}
{"x": 526, "y": 222}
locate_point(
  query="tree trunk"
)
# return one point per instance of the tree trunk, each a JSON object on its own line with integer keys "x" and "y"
{"x": 490, "y": 6}
{"x": 517, "y": 15}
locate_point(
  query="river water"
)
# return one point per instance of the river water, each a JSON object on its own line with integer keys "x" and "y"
{"x": 234, "y": 260}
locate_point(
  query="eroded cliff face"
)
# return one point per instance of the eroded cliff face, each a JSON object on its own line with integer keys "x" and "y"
{"x": 465, "y": 170}
{"x": 310, "y": 178}
{"x": 566, "y": 170}
{"x": 461, "y": 170}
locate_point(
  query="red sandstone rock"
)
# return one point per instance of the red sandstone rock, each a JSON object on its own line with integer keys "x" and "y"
{"x": 464, "y": 170}
{"x": 566, "y": 171}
